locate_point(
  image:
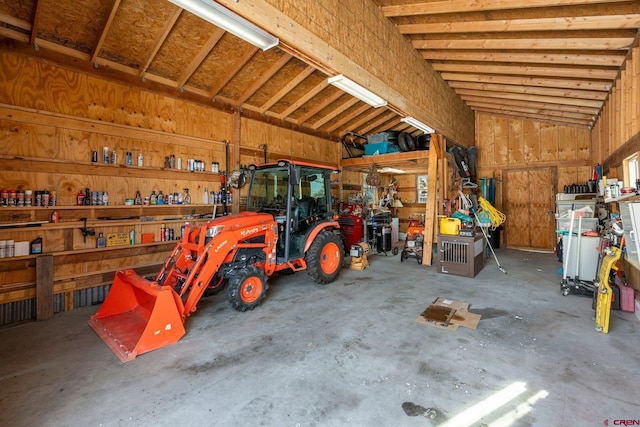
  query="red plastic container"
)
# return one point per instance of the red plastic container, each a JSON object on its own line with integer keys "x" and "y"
{"x": 627, "y": 297}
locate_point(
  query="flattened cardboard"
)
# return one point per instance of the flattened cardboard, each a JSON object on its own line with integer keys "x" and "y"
{"x": 436, "y": 315}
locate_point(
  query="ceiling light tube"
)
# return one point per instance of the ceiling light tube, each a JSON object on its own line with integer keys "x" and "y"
{"x": 417, "y": 124}
{"x": 354, "y": 89}
{"x": 229, "y": 21}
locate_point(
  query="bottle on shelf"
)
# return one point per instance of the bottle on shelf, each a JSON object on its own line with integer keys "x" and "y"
{"x": 80, "y": 198}
{"x": 154, "y": 198}
{"x": 163, "y": 233}
{"x": 132, "y": 237}
{"x": 138, "y": 199}
{"x": 101, "y": 241}
{"x": 36, "y": 245}
{"x": 160, "y": 200}
{"x": 206, "y": 196}
{"x": 55, "y": 217}
{"x": 187, "y": 197}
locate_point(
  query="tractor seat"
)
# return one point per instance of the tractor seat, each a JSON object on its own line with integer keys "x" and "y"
{"x": 306, "y": 207}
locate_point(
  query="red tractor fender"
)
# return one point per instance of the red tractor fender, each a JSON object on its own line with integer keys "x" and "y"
{"x": 316, "y": 230}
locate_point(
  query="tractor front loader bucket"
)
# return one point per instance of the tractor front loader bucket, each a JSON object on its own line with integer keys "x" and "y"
{"x": 138, "y": 316}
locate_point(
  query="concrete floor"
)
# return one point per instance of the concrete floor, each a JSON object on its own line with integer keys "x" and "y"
{"x": 349, "y": 353}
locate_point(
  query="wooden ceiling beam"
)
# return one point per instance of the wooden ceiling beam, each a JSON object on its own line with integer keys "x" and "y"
{"x": 63, "y": 50}
{"x": 35, "y": 22}
{"x": 568, "y": 72}
{"x": 347, "y": 117}
{"x": 611, "y": 60}
{"x": 264, "y": 77}
{"x": 385, "y": 118}
{"x": 459, "y": 6}
{"x": 159, "y": 41}
{"x": 200, "y": 56}
{"x": 606, "y": 22}
{"x": 15, "y": 22}
{"x": 584, "y": 118}
{"x": 335, "y": 112}
{"x": 530, "y": 81}
{"x": 357, "y": 125}
{"x": 233, "y": 69}
{"x": 287, "y": 88}
{"x": 304, "y": 99}
{"x": 14, "y": 35}
{"x": 517, "y": 102}
{"x": 596, "y": 105}
{"x": 388, "y": 125}
{"x": 532, "y": 90}
{"x": 569, "y": 43}
{"x": 551, "y": 116}
{"x": 319, "y": 106}
{"x": 105, "y": 30}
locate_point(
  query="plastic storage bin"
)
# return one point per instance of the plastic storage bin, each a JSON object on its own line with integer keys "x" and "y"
{"x": 380, "y": 148}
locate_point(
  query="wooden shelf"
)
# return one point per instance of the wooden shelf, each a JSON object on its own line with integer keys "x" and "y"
{"x": 9, "y": 216}
{"x": 30, "y": 164}
{"x": 410, "y": 162}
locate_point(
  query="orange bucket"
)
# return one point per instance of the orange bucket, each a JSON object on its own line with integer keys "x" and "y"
{"x": 138, "y": 316}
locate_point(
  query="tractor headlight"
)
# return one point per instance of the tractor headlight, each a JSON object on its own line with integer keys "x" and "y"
{"x": 214, "y": 231}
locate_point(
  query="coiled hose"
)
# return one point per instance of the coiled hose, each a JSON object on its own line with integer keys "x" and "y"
{"x": 490, "y": 215}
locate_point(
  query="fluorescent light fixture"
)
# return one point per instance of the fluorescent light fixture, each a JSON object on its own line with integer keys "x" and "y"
{"x": 391, "y": 170}
{"x": 229, "y": 21}
{"x": 417, "y": 124}
{"x": 354, "y": 89}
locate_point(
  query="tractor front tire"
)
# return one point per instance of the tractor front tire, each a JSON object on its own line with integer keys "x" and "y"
{"x": 324, "y": 257}
{"x": 247, "y": 288}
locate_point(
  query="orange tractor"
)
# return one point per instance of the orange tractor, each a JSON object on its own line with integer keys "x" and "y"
{"x": 288, "y": 225}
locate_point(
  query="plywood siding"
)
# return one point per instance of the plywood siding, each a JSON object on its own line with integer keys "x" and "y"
{"x": 52, "y": 119}
{"x": 616, "y": 133}
{"x": 519, "y": 143}
{"x": 507, "y": 147}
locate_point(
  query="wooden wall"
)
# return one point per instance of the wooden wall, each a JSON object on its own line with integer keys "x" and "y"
{"x": 507, "y": 143}
{"x": 616, "y": 134}
{"x": 52, "y": 118}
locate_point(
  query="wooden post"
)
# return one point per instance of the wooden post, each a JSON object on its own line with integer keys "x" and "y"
{"x": 44, "y": 287}
{"x": 430, "y": 217}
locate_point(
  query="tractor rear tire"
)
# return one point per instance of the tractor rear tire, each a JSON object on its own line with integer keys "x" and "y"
{"x": 325, "y": 257}
{"x": 247, "y": 288}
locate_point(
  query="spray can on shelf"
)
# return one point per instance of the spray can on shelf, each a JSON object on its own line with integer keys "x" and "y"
{"x": 163, "y": 233}
{"x": 132, "y": 237}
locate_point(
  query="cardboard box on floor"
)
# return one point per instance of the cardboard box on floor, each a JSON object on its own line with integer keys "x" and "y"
{"x": 449, "y": 314}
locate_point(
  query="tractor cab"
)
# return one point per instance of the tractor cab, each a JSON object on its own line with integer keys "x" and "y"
{"x": 298, "y": 196}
